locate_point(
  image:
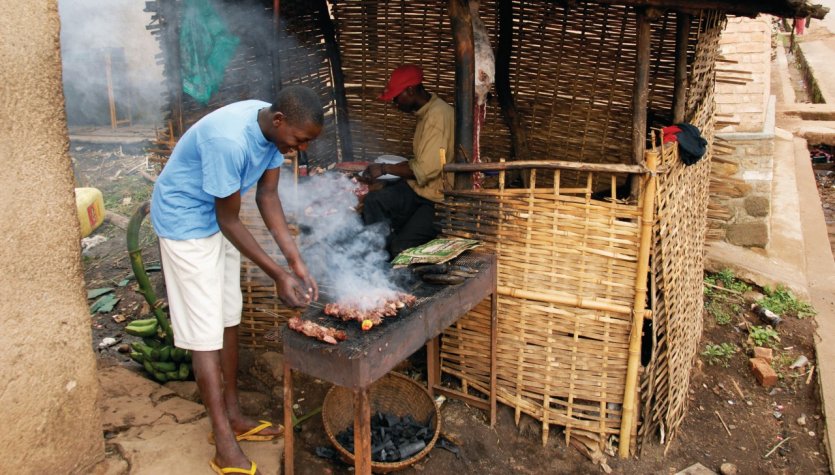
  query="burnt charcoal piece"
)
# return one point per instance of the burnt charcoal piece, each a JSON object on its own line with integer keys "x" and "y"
{"x": 392, "y": 438}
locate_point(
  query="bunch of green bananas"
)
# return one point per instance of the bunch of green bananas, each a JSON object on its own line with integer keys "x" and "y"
{"x": 161, "y": 361}
{"x": 144, "y": 328}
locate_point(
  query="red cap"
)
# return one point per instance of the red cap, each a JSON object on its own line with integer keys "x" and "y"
{"x": 401, "y": 78}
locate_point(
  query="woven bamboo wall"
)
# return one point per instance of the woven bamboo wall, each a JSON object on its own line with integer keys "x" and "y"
{"x": 263, "y": 313}
{"x": 678, "y": 258}
{"x": 562, "y": 364}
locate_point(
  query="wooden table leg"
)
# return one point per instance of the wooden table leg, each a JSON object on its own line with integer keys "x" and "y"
{"x": 494, "y": 333}
{"x": 288, "y": 420}
{"x": 433, "y": 364}
{"x": 362, "y": 432}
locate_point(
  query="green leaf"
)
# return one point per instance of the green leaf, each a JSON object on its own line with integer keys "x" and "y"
{"x": 123, "y": 282}
{"x": 91, "y": 294}
{"x": 104, "y": 304}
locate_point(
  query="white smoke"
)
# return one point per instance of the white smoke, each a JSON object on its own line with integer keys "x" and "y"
{"x": 347, "y": 258}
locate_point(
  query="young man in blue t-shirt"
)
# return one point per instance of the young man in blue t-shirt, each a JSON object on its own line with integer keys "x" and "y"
{"x": 194, "y": 211}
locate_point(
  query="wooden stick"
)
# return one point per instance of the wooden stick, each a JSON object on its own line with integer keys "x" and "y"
{"x": 288, "y": 420}
{"x": 546, "y": 165}
{"x": 634, "y": 359}
{"x": 723, "y": 288}
{"x": 776, "y": 447}
{"x": 640, "y": 92}
{"x": 362, "y": 432}
{"x": 738, "y": 389}
{"x": 811, "y": 372}
{"x": 723, "y": 422}
{"x": 563, "y": 299}
{"x": 680, "y": 84}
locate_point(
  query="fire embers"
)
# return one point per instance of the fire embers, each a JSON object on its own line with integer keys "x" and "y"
{"x": 392, "y": 438}
{"x": 370, "y": 311}
{"x": 314, "y": 330}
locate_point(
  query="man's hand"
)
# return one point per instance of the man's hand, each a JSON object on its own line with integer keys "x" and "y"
{"x": 312, "y": 289}
{"x": 373, "y": 171}
{"x": 291, "y": 290}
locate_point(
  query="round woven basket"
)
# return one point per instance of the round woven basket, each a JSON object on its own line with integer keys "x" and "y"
{"x": 394, "y": 394}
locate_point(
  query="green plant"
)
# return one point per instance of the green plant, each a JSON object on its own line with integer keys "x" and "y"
{"x": 718, "y": 311}
{"x": 763, "y": 336}
{"x": 719, "y": 354}
{"x": 725, "y": 278}
{"x": 782, "y": 302}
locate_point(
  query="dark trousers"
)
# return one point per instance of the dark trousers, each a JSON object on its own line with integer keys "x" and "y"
{"x": 410, "y": 216}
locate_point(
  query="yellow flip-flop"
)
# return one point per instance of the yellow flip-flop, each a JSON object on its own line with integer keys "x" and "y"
{"x": 222, "y": 471}
{"x": 252, "y": 434}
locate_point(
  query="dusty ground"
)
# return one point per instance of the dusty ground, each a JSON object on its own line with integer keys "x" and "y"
{"x": 757, "y": 419}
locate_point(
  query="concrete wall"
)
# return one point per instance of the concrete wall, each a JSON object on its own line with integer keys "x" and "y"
{"x": 748, "y": 42}
{"x": 48, "y": 389}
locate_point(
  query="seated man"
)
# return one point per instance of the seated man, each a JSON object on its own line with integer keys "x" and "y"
{"x": 409, "y": 205}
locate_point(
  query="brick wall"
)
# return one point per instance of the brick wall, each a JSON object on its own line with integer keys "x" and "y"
{"x": 746, "y": 42}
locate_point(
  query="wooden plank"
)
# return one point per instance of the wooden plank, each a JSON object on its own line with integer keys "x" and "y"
{"x": 546, "y": 165}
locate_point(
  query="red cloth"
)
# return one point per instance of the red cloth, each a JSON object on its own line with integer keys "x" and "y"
{"x": 401, "y": 78}
{"x": 670, "y": 133}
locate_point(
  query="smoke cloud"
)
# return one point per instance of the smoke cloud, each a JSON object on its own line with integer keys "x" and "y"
{"x": 92, "y": 30}
{"x": 347, "y": 258}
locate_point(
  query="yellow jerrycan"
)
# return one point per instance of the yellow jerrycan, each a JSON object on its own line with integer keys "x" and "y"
{"x": 89, "y": 203}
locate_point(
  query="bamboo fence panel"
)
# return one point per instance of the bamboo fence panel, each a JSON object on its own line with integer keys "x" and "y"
{"x": 678, "y": 257}
{"x": 567, "y": 266}
{"x": 263, "y": 312}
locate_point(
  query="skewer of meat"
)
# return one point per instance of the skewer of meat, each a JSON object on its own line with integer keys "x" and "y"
{"x": 314, "y": 330}
{"x": 366, "y": 309}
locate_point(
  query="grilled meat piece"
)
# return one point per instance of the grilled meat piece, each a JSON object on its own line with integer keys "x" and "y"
{"x": 314, "y": 330}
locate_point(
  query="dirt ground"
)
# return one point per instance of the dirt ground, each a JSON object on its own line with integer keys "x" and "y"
{"x": 731, "y": 418}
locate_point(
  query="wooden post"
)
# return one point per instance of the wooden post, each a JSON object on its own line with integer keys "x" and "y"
{"x": 288, "y": 420}
{"x": 638, "y": 311}
{"x": 173, "y": 66}
{"x": 518, "y": 135}
{"x": 111, "y": 99}
{"x": 462, "y": 33}
{"x": 332, "y": 49}
{"x": 640, "y": 92}
{"x": 433, "y": 364}
{"x": 680, "y": 84}
{"x": 362, "y": 432}
{"x": 494, "y": 336}
{"x": 275, "y": 56}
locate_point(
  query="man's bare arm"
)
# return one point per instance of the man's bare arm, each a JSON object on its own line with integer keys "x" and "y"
{"x": 227, "y": 211}
{"x": 269, "y": 205}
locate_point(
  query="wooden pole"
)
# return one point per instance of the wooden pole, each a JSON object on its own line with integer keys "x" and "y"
{"x": 518, "y": 135}
{"x": 462, "y": 34}
{"x": 565, "y": 299}
{"x": 546, "y": 165}
{"x": 362, "y": 432}
{"x": 334, "y": 58}
{"x": 111, "y": 100}
{"x": 640, "y": 92}
{"x": 680, "y": 84}
{"x": 276, "y": 57}
{"x": 288, "y": 420}
{"x": 638, "y": 311}
{"x": 171, "y": 16}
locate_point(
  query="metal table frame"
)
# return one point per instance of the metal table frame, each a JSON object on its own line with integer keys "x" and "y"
{"x": 381, "y": 350}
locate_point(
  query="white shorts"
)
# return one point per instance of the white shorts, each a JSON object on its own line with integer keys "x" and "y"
{"x": 203, "y": 282}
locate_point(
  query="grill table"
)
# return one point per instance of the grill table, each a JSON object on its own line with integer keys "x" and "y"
{"x": 367, "y": 356}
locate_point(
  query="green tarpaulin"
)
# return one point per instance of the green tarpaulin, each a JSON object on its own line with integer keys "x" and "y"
{"x": 206, "y": 47}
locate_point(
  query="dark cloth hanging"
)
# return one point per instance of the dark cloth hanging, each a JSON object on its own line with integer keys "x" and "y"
{"x": 692, "y": 145}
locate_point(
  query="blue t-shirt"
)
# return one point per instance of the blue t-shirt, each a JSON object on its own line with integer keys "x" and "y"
{"x": 222, "y": 153}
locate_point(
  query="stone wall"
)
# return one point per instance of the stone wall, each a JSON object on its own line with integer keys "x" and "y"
{"x": 746, "y": 45}
{"x": 48, "y": 390}
{"x": 740, "y": 187}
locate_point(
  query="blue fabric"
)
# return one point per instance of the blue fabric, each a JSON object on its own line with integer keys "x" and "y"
{"x": 222, "y": 153}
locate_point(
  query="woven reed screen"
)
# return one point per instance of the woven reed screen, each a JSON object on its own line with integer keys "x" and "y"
{"x": 263, "y": 312}
{"x": 678, "y": 258}
{"x": 563, "y": 364}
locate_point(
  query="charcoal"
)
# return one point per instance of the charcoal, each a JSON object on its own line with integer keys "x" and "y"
{"x": 408, "y": 450}
{"x": 392, "y": 438}
{"x": 446, "y": 444}
{"x": 326, "y": 453}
